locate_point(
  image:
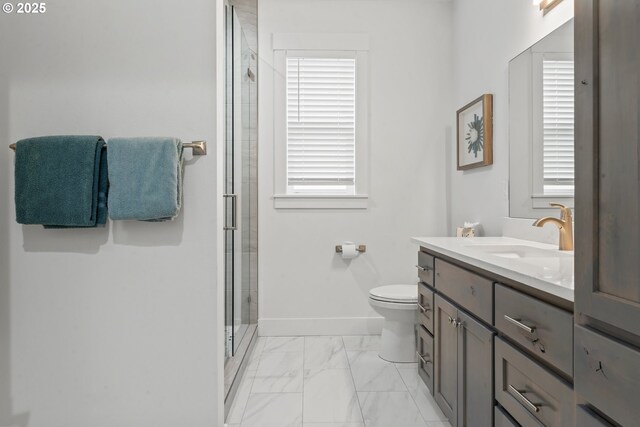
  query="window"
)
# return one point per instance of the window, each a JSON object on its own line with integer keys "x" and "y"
{"x": 320, "y": 121}
{"x": 321, "y": 128}
{"x": 558, "y": 125}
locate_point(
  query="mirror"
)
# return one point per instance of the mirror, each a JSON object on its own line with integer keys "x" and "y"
{"x": 541, "y": 126}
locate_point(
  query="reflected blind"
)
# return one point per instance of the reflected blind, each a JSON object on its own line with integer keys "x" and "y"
{"x": 321, "y": 100}
{"x": 558, "y": 122}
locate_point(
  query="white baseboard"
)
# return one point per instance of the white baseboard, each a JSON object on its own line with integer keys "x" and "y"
{"x": 320, "y": 326}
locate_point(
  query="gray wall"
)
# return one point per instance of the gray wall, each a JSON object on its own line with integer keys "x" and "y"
{"x": 111, "y": 327}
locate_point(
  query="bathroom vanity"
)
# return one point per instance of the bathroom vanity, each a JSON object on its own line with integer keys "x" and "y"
{"x": 495, "y": 330}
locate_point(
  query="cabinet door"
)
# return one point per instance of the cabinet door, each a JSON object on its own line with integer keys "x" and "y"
{"x": 607, "y": 271}
{"x": 475, "y": 373}
{"x": 446, "y": 359}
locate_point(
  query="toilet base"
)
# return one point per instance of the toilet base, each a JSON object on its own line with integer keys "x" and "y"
{"x": 398, "y": 342}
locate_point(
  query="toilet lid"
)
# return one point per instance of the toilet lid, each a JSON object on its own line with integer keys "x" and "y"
{"x": 395, "y": 293}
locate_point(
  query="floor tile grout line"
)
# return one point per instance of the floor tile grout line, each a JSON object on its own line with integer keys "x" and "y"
{"x": 263, "y": 393}
{"x": 353, "y": 381}
{"x": 267, "y": 393}
{"x": 259, "y": 356}
{"x": 413, "y": 399}
{"x": 305, "y": 366}
{"x": 253, "y": 380}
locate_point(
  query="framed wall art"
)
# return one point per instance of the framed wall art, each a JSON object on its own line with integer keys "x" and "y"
{"x": 475, "y": 133}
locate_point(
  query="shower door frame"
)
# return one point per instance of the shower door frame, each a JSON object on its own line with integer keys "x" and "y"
{"x": 240, "y": 238}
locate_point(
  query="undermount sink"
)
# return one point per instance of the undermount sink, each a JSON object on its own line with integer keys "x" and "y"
{"x": 519, "y": 251}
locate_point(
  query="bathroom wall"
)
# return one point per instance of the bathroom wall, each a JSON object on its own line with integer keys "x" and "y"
{"x": 116, "y": 326}
{"x": 305, "y": 288}
{"x": 487, "y": 35}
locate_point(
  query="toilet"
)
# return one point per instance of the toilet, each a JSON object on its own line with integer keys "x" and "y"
{"x": 398, "y": 305}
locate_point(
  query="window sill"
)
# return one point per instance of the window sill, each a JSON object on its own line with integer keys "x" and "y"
{"x": 313, "y": 201}
{"x": 540, "y": 201}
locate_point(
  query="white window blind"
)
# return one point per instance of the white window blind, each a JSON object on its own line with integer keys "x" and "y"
{"x": 321, "y": 100}
{"x": 558, "y": 122}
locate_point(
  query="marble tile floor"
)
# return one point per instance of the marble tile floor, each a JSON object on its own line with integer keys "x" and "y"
{"x": 330, "y": 382}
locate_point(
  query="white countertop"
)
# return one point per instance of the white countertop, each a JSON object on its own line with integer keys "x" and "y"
{"x": 552, "y": 274}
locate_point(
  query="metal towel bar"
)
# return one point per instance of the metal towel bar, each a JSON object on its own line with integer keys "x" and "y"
{"x": 199, "y": 147}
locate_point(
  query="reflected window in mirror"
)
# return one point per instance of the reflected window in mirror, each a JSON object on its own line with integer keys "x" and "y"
{"x": 556, "y": 170}
{"x": 541, "y": 126}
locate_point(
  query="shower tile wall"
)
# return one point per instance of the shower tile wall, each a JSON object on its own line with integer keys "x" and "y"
{"x": 249, "y": 183}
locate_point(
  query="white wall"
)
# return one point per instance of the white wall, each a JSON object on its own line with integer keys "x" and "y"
{"x": 116, "y": 326}
{"x": 487, "y": 35}
{"x": 304, "y": 286}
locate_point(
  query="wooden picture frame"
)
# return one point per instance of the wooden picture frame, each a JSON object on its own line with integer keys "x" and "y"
{"x": 474, "y": 133}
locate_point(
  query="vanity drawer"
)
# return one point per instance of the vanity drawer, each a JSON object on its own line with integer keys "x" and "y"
{"x": 425, "y": 306}
{"x": 467, "y": 289}
{"x": 425, "y": 357}
{"x": 425, "y": 267}
{"x": 501, "y": 419}
{"x": 530, "y": 393}
{"x": 544, "y": 330}
{"x": 608, "y": 375}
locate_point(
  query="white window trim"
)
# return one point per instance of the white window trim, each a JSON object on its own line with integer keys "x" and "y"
{"x": 333, "y": 45}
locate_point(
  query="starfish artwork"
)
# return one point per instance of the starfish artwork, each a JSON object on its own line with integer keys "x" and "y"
{"x": 475, "y": 135}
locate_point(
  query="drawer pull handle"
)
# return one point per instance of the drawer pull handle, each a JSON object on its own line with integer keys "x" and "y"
{"x": 523, "y": 399}
{"x": 421, "y": 268}
{"x": 422, "y": 357}
{"x": 519, "y": 324}
{"x": 423, "y": 308}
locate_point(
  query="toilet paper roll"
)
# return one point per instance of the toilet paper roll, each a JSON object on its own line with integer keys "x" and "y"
{"x": 349, "y": 250}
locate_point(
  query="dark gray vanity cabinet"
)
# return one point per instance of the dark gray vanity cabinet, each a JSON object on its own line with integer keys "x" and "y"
{"x": 464, "y": 366}
{"x": 607, "y": 251}
{"x": 495, "y": 352}
{"x": 475, "y": 373}
{"x": 425, "y": 306}
{"x": 425, "y": 357}
{"x": 607, "y": 242}
{"x": 425, "y": 326}
{"x": 542, "y": 329}
{"x": 530, "y": 393}
{"x": 446, "y": 350}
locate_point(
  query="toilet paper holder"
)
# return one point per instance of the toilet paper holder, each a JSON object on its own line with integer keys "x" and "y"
{"x": 359, "y": 248}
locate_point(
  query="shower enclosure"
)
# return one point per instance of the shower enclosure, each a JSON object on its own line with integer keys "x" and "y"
{"x": 240, "y": 185}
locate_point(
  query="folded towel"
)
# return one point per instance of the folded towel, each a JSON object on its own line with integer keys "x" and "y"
{"x": 61, "y": 181}
{"x": 145, "y": 176}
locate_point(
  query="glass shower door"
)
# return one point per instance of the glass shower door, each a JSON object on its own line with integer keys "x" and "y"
{"x": 229, "y": 196}
{"x": 240, "y": 198}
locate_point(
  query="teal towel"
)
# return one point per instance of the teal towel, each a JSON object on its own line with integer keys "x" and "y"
{"x": 61, "y": 181}
{"x": 145, "y": 176}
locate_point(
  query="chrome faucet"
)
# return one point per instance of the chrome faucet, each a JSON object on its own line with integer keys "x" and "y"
{"x": 564, "y": 224}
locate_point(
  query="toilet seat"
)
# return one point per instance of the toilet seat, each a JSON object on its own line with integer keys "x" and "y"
{"x": 397, "y": 294}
